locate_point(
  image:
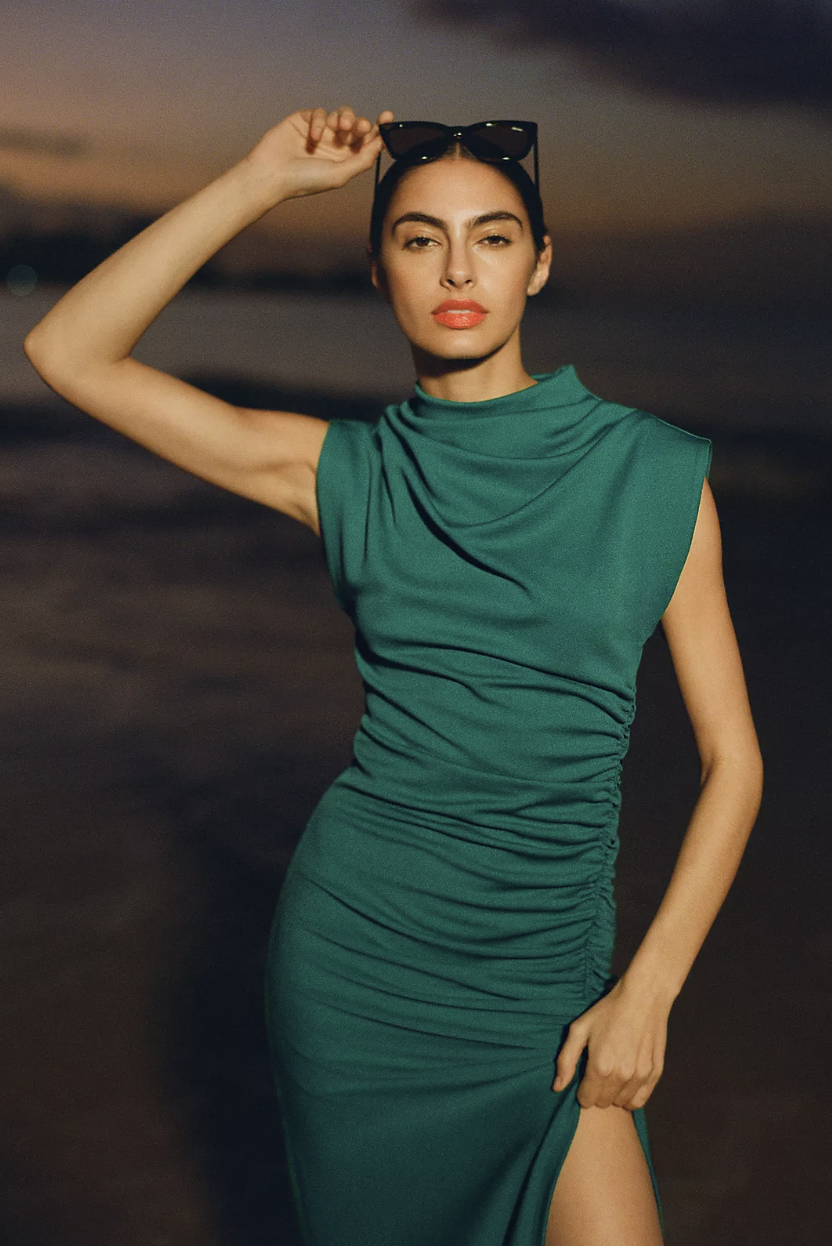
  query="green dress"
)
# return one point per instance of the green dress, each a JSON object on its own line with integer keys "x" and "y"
{"x": 449, "y": 909}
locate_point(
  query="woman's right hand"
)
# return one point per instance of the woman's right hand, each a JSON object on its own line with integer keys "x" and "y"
{"x": 314, "y": 150}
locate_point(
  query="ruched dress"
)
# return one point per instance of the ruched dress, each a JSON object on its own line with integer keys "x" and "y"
{"x": 449, "y": 909}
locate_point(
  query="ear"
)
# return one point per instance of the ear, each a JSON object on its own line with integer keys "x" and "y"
{"x": 377, "y": 275}
{"x": 541, "y": 269}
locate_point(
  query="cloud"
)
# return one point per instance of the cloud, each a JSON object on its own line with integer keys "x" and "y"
{"x": 42, "y": 142}
{"x": 743, "y": 51}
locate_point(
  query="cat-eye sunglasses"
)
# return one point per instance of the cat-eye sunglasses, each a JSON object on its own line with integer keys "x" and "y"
{"x": 492, "y": 141}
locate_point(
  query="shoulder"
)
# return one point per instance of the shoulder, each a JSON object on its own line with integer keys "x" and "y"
{"x": 352, "y": 432}
{"x": 347, "y": 446}
{"x": 669, "y": 466}
{"x": 701, "y": 578}
{"x": 664, "y": 497}
{"x": 346, "y": 470}
{"x": 663, "y": 441}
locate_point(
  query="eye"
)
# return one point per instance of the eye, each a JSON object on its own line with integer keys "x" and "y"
{"x": 497, "y": 239}
{"x": 419, "y": 238}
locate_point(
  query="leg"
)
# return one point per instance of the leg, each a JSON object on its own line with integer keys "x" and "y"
{"x": 603, "y": 1195}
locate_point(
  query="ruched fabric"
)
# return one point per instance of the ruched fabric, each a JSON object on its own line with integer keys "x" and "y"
{"x": 450, "y": 909}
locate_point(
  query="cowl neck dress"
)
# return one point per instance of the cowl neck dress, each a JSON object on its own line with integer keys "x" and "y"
{"x": 449, "y": 909}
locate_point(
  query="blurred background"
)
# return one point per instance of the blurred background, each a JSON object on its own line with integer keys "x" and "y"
{"x": 178, "y": 688}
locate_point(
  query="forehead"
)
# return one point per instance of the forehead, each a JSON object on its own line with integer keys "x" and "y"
{"x": 455, "y": 187}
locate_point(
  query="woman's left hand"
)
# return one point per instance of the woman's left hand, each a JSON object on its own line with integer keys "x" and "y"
{"x": 626, "y": 1033}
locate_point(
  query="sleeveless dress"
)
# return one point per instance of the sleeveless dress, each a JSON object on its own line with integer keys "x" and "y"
{"x": 449, "y": 909}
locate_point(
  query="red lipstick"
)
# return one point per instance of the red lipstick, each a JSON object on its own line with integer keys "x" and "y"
{"x": 459, "y": 313}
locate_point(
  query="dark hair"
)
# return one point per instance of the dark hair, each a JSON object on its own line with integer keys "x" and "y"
{"x": 511, "y": 169}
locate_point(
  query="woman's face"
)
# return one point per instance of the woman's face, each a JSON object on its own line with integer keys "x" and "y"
{"x": 457, "y": 231}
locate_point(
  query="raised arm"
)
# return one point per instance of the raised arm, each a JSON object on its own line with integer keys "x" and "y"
{"x": 82, "y": 346}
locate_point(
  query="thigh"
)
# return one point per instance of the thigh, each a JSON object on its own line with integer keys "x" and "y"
{"x": 603, "y": 1195}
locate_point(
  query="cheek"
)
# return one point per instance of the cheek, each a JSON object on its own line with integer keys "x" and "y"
{"x": 508, "y": 284}
{"x": 411, "y": 286}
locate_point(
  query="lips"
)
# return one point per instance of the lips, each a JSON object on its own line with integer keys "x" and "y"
{"x": 459, "y": 313}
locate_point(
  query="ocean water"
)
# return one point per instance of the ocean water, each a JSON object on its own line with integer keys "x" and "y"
{"x": 734, "y": 369}
{"x": 177, "y": 691}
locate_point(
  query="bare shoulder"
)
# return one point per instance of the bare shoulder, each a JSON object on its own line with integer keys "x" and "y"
{"x": 702, "y": 572}
{"x": 285, "y": 449}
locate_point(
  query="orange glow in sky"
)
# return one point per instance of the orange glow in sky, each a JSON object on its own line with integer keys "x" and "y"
{"x": 161, "y": 101}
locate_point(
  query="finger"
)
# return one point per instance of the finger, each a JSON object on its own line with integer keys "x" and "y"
{"x": 643, "y": 1094}
{"x": 566, "y": 1065}
{"x": 360, "y": 133}
{"x": 356, "y": 162}
{"x": 568, "y": 1059}
{"x": 364, "y": 132}
{"x": 640, "y": 1098}
{"x": 360, "y": 159}
{"x": 593, "y": 1093}
{"x": 587, "y": 1092}
{"x": 565, "y": 1073}
{"x": 383, "y": 117}
{"x": 612, "y": 1095}
{"x": 624, "y": 1097}
{"x": 344, "y": 125}
{"x": 603, "y": 1085}
{"x": 646, "y": 1078}
{"x": 633, "y": 1085}
{"x": 317, "y": 123}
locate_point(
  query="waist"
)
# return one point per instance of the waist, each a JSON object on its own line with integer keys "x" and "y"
{"x": 531, "y": 912}
{"x": 580, "y": 795}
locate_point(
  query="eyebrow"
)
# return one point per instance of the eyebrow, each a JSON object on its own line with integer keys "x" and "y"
{"x": 424, "y": 219}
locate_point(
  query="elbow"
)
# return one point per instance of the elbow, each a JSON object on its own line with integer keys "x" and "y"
{"x": 744, "y": 763}
{"x": 53, "y": 363}
{"x": 46, "y": 362}
{"x": 740, "y": 776}
{"x": 755, "y": 777}
{"x": 30, "y": 347}
{"x": 64, "y": 364}
{"x": 37, "y": 352}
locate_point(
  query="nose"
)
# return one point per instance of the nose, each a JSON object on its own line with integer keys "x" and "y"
{"x": 458, "y": 270}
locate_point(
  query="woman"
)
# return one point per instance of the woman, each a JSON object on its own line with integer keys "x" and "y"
{"x": 455, "y": 1063}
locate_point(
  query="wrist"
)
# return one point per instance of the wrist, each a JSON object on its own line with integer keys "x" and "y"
{"x": 649, "y": 985}
{"x": 263, "y": 181}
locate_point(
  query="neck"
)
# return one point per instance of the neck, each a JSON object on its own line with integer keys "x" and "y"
{"x": 473, "y": 380}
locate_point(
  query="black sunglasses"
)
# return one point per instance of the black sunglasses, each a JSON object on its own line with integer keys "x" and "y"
{"x": 487, "y": 140}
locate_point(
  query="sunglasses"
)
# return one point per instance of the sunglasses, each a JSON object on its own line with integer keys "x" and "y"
{"x": 487, "y": 140}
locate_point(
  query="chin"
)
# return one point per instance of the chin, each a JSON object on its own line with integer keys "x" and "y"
{"x": 459, "y": 344}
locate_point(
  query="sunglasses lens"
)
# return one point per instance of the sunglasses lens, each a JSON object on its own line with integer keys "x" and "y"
{"x": 490, "y": 140}
{"x": 404, "y": 139}
{"x": 497, "y": 139}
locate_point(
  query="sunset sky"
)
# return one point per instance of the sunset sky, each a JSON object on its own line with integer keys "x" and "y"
{"x": 141, "y": 103}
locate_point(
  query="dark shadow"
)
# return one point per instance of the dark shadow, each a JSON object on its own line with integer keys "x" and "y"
{"x": 239, "y": 833}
